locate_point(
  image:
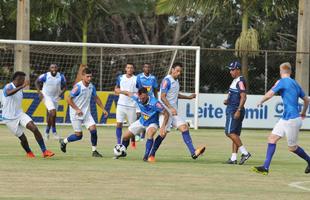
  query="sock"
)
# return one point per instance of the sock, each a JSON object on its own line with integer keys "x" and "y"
{"x": 54, "y": 130}
{"x": 73, "y": 138}
{"x": 118, "y": 135}
{"x": 243, "y": 150}
{"x": 125, "y": 143}
{"x": 66, "y": 141}
{"x": 301, "y": 153}
{"x": 93, "y": 137}
{"x": 143, "y": 135}
{"x": 233, "y": 156}
{"x": 148, "y": 147}
{"x": 47, "y": 130}
{"x": 156, "y": 145}
{"x": 41, "y": 144}
{"x": 93, "y": 148}
{"x": 188, "y": 141}
{"x": 270, "y": 151}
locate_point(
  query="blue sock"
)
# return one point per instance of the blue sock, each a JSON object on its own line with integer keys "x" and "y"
{"x": 74, "y": 137}
{"x": 270, "y": 151}
{"x": 188, "y": 141}
{"x": 148, "y": 147}
{"x": 41, "y": 144}
{"x": 118, "y": 135}
{"x": 143, "y": 135}
{"x": 93, "y": 137}
{"x": 125, "y": 143}
{"x": 156, "y": 145}
{"x": 47, "y": 130}
{"x": 301, "y": 153}
{"x": 54, "y": 129}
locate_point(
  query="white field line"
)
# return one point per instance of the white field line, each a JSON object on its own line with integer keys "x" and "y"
{"x": 299, "y": 185}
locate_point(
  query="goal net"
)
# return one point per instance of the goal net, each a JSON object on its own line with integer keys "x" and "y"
{"x": 106, "y": 61}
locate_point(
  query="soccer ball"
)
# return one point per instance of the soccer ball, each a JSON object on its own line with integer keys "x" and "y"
{"x": 119, "y": 149}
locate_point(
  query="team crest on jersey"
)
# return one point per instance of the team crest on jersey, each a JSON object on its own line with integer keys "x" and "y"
{"x": 75, "y": 89}
{"x": 159, "y": 105}
{"x": 164, "y": 84}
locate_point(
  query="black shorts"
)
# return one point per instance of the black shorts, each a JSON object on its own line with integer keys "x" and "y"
{"x": 234, "y": 125}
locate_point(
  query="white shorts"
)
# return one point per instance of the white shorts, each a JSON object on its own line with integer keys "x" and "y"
{"x": 137, "y": 127}
{"x": 123, "y": 113}
{"x": 88, "y": 121}
{"x": 51, "y": 103}
{"x": 16, "y": 125}
{"x": 289, "y": 128}
{"x": 174, "y": 121}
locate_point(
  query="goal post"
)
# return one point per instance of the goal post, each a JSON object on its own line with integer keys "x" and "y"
{"x": 106, "y": 61}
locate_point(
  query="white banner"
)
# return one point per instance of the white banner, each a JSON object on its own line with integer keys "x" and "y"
{"x": 212, "y": 111}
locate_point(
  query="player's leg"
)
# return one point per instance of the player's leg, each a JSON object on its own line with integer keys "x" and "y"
{"x": 151, "y": 131}
{"x": 131, "y": 114}
{"x": 76, "y": 136}
{"x": 49, "y": 106}
{"x": 120, "y": 118}
{"x": 90, "y": 124}
{"x": 24, "y": 143}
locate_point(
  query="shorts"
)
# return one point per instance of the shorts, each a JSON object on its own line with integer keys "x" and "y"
{"x": 123, "y": 113}
{"x": 50, "y": 102}
{"x": 289, "y": 128}
{"x": 137, "y": 127}
{"x": 174, "y": 121}
{"x": 88, "y": 121}
{"x": 233, "y": 125}
{"x": 16, "y": 125}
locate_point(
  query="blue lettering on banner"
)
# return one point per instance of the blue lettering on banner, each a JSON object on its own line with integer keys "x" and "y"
{"x": 279, "y": 108}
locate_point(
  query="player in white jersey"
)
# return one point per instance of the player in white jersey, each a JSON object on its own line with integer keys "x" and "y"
{"x": 54, "y": 86}
{"x": 126, "y": 107}
{"x": 169, "y": 95}
{"x": 14, "y": 117}
{"x": 80, "y": 103}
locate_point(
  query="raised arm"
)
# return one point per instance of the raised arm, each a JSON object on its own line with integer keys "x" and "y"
{"x": 181, "y": 96}
{"x": 12, "y": 91}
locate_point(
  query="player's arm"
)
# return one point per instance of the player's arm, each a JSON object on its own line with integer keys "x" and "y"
{"x": 155, "y": 87}
{"x": 276, "y": 88}
{"x": 129, "y": 94}
{"x": 63, "y": 85}
{"x": 38, "y": 84}
{"x": 155, "y": 92}
{"x": 117, "y": 88}
{"x": 99, "y": 103}
{"x": 163, "y": 98}
{"x": 12, "y": 91}
{"x": 162, "y": 130}
{"x": 226, "y": 100}
{"x": 74, "y": 106}
{"x": 305, "y": 107}
{"x": 181, "y": 96}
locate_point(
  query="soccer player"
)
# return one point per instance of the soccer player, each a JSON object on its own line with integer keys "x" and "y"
{"x": 79, "y": 101}
{"x": 14, "y": 117}
{"x": 54, "y": 86}
{"x": 149, "y": 120}
{"x": 235, "y": 113}
{"x": 291, "y": 120}
{"x": 169, "y": 95}
{"x": 126, "y": 107}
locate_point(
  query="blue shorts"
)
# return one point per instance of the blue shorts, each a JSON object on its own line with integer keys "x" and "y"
{"x": 234, "y": 125}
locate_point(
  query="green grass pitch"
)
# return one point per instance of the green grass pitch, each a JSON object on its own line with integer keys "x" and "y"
{"x": 76, "y": 175}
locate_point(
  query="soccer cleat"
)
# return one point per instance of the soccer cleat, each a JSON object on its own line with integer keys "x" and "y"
{"x": 244, "y": 158}
{"x": 307, "y": 170}
{"x": 199, "y": 151}
{"x": 232, "y": 162}
{"x": 96, "y": 154}
{"x": 151, "y": 159}
{"x": 47, "y": 154}
{"x": 261, "y": 170}
{"x": 133, "y": 145}
{"x": 56, "y": 136}
{"x": 30, "y": 155}
{"x": 63, "y": 146}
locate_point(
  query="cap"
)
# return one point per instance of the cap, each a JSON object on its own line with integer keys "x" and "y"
{"x": 234, "y": 65}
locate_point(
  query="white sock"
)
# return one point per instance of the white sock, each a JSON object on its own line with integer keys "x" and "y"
{"x": 243, "y": 150}
{"x": 233, "y": 156}
{"x": 93, "y": 148}
{"x": 66, "y": 141}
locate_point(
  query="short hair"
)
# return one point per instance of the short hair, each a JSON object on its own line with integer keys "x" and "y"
{"x": 18, "y": 74}
{"x": 86, "y": 71}
{"x": 146, "y": 64}
{"x": 177, "y": 64}
{"x": 142, "y": 90}
{"x": 129, "y": 63}
{"x": 286, "y": 67}
{"x": 53, "y": 64}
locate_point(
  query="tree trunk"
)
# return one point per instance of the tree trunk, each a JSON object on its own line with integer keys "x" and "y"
{"x": 84, "y": 40}
{"x": 178, "y": 31}
{"x": 244, "y": 58}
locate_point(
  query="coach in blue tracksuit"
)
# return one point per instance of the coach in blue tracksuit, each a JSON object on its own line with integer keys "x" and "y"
{"x": 235, "y": 113}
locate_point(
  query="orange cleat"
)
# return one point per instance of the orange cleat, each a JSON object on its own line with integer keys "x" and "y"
{"x": 47, "y": 154}
{"x": 151, "y": 159}
{"x": 133, "y": 145}
{"x": 199, "y": 151}
{"x": 30, "y": 155}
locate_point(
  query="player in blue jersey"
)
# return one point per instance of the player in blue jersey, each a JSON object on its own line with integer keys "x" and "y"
{"x": 235, "y": 113}
{"x": 14, "y": 117}
{"x": 149, "y": 120}
{"x": 54, "y": 86}
{"x": 290, "y": 122}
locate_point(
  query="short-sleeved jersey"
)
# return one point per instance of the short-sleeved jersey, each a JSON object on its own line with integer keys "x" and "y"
{"x": 290, "y": 91}
{"x": 149, "y": 111}
{"x": 129, "y": 85}
{"x": 12, "y": 105}
{"x": 81, "y": 96}
{"x": 148, "y": 82}
{"x": 52, "y": 84}
{"x": 171, "y": 88}
{"x": 237, "y": 86}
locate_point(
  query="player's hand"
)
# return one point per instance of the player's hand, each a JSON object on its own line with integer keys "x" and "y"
{"x": 303, "y": 116}
{"x": 173, "y": 111}
{"x": 41, "y": 95}
{"x": 192, "y": 96}
{"x": 117, "y": 91}
{"x": 105, "y": 113}
{"x": 79, "y": 112}
{"x": 26, "y": 83}
{"x": 260, "y": 104}
{"x": 225, "y": 102}
{"x": 237, "y": 114}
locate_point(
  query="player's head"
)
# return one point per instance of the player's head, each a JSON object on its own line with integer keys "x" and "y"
{"x": 143, "y": 95}
{"x": 176, "y": 70}
{"x": 130, "y": 68}
{"x": 86, "y": 75}
{"x": 285, "y": 69}
{"x": 146, "y": 68}
{"x": 53, "y": 69}
{"x": 18, "y": 78}
{"x": 235, "y": 69}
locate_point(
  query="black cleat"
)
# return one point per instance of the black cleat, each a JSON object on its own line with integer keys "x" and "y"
{"x": 124, "y": 154}
{"x": 229, "y": 161}
{"x": 244, "y": 158}
{"x": 63, "y": 146}
{"x": 96, "y": 154}
{"x": 261, "y": 170}
{"x": 307, "y": 170}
